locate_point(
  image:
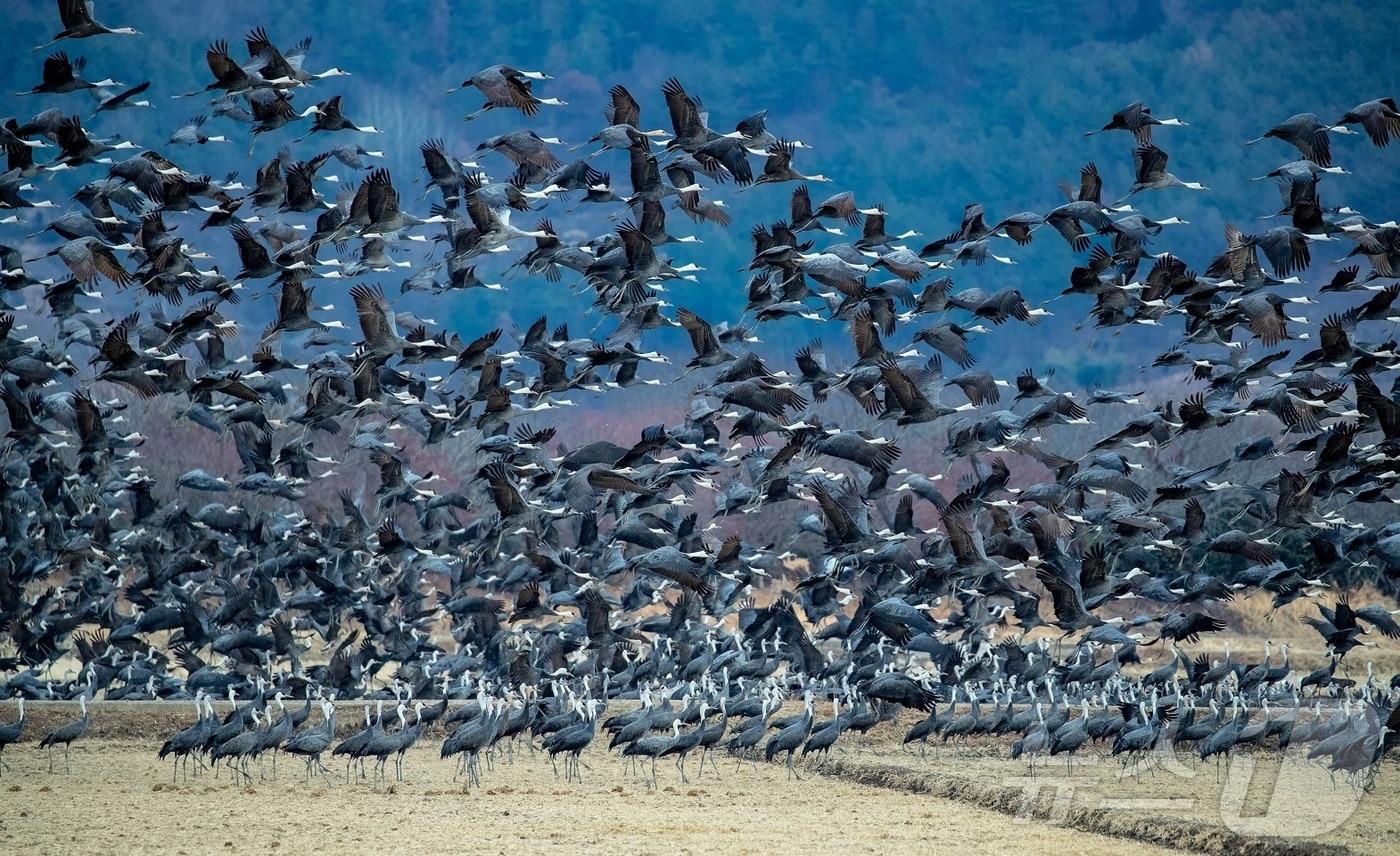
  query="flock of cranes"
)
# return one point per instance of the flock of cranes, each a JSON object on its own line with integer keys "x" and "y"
{"x": 557, "y": 587}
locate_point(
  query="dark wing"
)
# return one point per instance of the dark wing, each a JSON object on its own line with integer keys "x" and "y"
{"x": 624, "y": 109}
{"x": 116, "y": 347}
{"x": 905, "y": 391}
{"x": 1064, "y": 595}
{"x": 702, "y": 337}
{"x": 682, "y": 578}
{"x": 503, "y": 492}
{"x": 681, "y": 106}
{"x": 1149, "y": 162}
{"x": 1090, "y": 184}
{"x": 1194, "y": 523}
{"x": 610, "y": 480}
{"x": 1093, "y": 567}
{"x": 58, "y": 70}
{"x": 838, "y": 518}
{"x": 88, "y": 420}
{"x": 528, "y": 598}
{"x": 1380, "y": 618}
{"x": 521, "y": 97}
{"x": 595, "y": 611}
{"x": 729, "y": 550}
{"x": 375, "y": 315}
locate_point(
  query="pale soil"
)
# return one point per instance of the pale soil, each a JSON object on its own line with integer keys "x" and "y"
{"x": 118, "y": 799}
{"x": 1255, "y": 793}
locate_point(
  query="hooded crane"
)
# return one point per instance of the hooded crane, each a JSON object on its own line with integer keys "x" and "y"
{"x": 68, "y": 734}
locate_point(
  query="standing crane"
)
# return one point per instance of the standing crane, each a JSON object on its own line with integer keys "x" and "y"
{"x": 67, "y": 734}
{"x": 10, "y": 732}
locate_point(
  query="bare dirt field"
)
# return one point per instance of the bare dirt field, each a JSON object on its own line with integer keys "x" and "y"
{"x": 1243, "y": 804}
{"x": 118, "y": 799}
{"x": 872, "y": 799}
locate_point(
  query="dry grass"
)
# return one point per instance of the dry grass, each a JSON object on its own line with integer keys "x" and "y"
{"x": 1254, "y": 621}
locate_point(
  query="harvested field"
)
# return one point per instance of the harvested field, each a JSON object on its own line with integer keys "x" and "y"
{"x": 1171, "y": 797}
{"x": 878, "y": 798}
